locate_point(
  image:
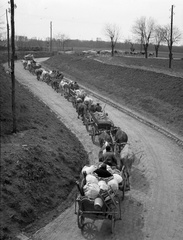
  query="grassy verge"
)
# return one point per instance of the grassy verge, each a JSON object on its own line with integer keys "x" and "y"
{"x": 38, "y": 171}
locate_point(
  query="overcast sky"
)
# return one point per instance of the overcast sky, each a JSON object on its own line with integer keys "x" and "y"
{"x": 86, "y": 19}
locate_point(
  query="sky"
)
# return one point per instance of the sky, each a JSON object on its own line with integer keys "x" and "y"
{"x": 86, "y": 19}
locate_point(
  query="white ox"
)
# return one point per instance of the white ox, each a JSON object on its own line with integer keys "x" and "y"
{"x": 43, "y": 75}
{"x": 80, "y": 93}
{"x": 64, "y": 86}
{"x": 88, "y": 101}
{"x": 28, "y": 66}
{"x": 127, "y": 158}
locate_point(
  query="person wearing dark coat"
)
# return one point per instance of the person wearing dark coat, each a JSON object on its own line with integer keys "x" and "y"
{"x": 102, "y": 171}
{"x": 76, "y": 86}
{"x": 98, "y": 108}
{"x": 109, "y": 158}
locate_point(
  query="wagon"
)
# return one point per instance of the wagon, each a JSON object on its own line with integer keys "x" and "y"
{"x": 86, "y": 208}
{"x": 72, "y": 97}
{"x": 29, "y": 57}
{"x": 99, "y": 122}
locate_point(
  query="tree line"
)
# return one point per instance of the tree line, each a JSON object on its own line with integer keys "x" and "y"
{"x": 146, "y": 32}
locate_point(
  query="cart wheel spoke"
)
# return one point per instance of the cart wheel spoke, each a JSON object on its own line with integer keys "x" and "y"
{"x": 93, "y": 134}
{"x": 86, "y": 123}
{"x": 80, "y": 219}
{"x": 112, "y": 224}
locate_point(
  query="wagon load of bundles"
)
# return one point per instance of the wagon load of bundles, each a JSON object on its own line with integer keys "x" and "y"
{"x": 99, "y": 184}
{"x": 29, "y": 57}
{"x": 102, "y": 120}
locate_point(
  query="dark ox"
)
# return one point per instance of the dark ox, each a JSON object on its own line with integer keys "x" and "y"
{"x": 104, "y": 137}
{"x": 120, "y": 138}
{"x": 81, "y": 110}
{"x": 38, "y": 73}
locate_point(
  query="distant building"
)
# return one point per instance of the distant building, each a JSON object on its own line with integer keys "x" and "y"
{"x": 98, "y": 39}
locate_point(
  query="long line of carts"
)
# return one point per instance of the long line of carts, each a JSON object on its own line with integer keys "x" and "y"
{"x": 96, "y": 123}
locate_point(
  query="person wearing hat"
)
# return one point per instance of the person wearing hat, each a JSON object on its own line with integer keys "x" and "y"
{"x": 109, "y": 158}
{"x": 98, "y": 108}
{"x": 76, "y": 86}
{"x": 102, "y": 171}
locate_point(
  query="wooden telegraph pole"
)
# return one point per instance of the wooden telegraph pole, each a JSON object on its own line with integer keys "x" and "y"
{"x": 50, "y": 36}
{"x": 8, "y": 38}
{"x": 171, "y": 42}
{"x": 13, "y": 65}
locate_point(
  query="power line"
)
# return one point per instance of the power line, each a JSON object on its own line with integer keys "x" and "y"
{"x": 2, "y": 15}
{"x": 171, "y": 42}
{"x": 3, "y": 5}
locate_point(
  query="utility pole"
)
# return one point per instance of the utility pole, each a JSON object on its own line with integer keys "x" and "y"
{"x": 13, "y": 64}
{"x": 50, "y": 36}
{"x": 171, "y": 42}
{"x": 8, "y": 38}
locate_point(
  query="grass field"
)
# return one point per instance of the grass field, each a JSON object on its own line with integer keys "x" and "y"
{"x": 158, "y": 96}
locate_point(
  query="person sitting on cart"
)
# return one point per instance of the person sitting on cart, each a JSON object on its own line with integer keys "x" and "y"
{"x": 109, "y": 158}
{"x": 98, "y": 108}
{"x": 76, "y": 86}
{"x": 102, "y": 171}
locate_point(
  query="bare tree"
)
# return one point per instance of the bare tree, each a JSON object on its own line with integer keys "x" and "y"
{"x": 158, "y": 38}
{"x": 112, "y": 31}
{"x": 132, "y": 48}
{"x": 63, "y": 39}
{"x": 176, "y": 36}
{"x": 143, "y": 29}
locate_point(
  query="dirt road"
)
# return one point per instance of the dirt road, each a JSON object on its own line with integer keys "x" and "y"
{"x": 153, "y": 209}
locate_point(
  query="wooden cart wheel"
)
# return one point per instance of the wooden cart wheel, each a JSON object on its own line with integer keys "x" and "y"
{"x": 119, "y": 206}
{"x": 80, "y": 219}
{"x": 112, "y": 223}
{"x": 73, "y": 102}
{"x": 124, "y": 183}
{"x": 93, "y": 134}
{"x": 123, "y": 190}
{"x": 87, "y": 126}
{"x": 86, "y": 123}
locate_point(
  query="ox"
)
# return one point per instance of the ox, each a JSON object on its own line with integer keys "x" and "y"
{"x": 88, "y": 102}
{"x": 38, "y": 73}
{"x": 151, "y": 54}
{"x": 34, "y": 67}
{"x": 24, "y": 62}
{"x": 81, "y": 110}
{"x": 119, "y": 137}
{"x": 104, "y": 137}
{"x": 63, "y": 86}
{"x": 59, "y": 75}
{"x": 28, "y": 66}
{"x": 80, "y": 94}
{"x": 44, "y": 75}
{"x": 55, "y": 84}
{"x": 49, "y": 76}
{"x": 127, "y": 158}
{"x": 75, "y": 86}
{"x": 95, "y": 108}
